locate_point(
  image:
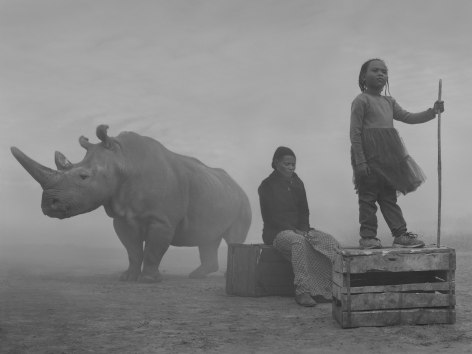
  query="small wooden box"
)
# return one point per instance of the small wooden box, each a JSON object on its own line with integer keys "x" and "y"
{"x": 394, "y": 286}
{"x": 258, "y": 270}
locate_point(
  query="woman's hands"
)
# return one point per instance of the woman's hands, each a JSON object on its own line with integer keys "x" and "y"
{"x": 302, "y": 233}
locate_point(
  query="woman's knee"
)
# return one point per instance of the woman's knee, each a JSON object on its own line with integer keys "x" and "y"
{"x": 285, "y": 238}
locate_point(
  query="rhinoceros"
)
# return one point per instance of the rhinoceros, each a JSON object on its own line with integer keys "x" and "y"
{"x": 156, "y": 198}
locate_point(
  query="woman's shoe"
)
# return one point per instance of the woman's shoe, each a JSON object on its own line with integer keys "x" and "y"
{"x": 321, "y": 299}
{"x": 305, "y": 299}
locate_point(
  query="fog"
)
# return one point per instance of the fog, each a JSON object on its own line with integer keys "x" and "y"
{"x": 227, "y": 82}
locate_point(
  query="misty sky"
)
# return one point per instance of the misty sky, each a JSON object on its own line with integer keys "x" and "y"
{"x": 227, "y": 81}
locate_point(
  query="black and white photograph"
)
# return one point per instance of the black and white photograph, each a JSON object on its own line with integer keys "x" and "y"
{"x": 235, "y": 176}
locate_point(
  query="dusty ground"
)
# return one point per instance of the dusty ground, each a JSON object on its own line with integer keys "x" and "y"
{"x": 72, "y": 302}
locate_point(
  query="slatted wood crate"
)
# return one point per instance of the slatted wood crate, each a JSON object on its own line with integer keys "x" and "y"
{"x": 394, "y": 286}
{"x": 258, "y": 270}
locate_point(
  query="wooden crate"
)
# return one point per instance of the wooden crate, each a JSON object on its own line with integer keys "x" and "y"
{"x": 394, "y": 286}
{"x": 258, "y": 270}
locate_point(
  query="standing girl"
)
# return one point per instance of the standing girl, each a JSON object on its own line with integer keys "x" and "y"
{"x": 381, "y": 164}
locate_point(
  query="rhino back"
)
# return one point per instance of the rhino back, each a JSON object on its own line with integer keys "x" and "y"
{"x": 199, "y": 201}
{"x": 215, "y": 203}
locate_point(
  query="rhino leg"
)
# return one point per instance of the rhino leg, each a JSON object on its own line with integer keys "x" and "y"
{"x": 130, "y": 238}
{"x": 157, "y": 243}
{"x": 208, "y": 259}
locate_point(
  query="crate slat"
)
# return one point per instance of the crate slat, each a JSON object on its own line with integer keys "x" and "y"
{"x": 420, "y": 316}
{"x": 394, "y": 260}
{"x": 443, "y": 286}
{"x": 393, "y": 300}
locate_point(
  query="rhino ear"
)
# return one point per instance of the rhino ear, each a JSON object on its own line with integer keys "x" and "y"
{"x": 103, "y": 136}
{"x": 84, "y": 142}
{"x": 62, "y": 163}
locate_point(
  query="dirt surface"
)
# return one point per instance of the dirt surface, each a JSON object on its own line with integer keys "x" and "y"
{"x": 72, "y": 302}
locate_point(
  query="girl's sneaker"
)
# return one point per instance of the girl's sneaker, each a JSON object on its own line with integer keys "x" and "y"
{"x": 407, "y": 240}
{"x": 370, "y": 243}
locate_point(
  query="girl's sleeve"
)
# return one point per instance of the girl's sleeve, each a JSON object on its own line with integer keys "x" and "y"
{"x": 411, "y": 118}
{"x": 357, "y": 121}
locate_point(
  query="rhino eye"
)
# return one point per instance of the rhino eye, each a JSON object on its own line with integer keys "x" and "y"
{"x": 84, "y": 176}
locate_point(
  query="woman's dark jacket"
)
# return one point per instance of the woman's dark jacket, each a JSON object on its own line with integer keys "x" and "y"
{"x": 284, "y": 205}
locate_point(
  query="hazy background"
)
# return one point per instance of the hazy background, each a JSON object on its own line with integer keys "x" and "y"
{"x": 227, "y": 82}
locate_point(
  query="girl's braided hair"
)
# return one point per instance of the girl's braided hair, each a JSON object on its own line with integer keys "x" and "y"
{"x": 362, "y": 73}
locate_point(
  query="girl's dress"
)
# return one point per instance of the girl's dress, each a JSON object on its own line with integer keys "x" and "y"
{"x": 376, "y": 142}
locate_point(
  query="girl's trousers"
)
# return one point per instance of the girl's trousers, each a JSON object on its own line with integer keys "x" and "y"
{"x": 374, "y": 189}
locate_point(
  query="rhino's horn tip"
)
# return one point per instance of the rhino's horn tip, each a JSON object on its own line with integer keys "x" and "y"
{"x": 15, "y": 151}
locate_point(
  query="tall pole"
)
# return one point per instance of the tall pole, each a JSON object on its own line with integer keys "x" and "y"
{"x": 438, "y": 243}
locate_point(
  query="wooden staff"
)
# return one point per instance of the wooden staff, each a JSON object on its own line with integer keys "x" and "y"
{"x": 438, "y": 243}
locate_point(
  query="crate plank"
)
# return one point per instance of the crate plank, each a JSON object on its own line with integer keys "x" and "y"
{"x": 420, "y": 316}
{"x": 393, "y": 300}
{"x": 394, "y": 260}
{"x": 442, "y": 286}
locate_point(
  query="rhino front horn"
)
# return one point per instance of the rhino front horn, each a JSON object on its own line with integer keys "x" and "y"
{"x": 42, "y": 174}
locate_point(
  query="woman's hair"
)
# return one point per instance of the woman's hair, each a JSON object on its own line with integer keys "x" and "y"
{"x": 280, "y": 152}
{"x": 364, "y": 71}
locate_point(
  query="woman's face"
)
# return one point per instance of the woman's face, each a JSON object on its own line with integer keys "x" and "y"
{"x": 286, "y": 165}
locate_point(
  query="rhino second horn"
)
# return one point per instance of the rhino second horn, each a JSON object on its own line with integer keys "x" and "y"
{"x": 62, "y": 163}
{"x": 84, "y": 142}
{"x": 102, "y": 132}
{"x": 42, "y": 174}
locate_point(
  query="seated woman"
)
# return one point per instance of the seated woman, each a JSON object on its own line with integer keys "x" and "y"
{"x": 285, "y": 213}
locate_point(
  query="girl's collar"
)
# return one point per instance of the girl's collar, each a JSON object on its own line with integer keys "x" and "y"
{"x": 373, "y": 93}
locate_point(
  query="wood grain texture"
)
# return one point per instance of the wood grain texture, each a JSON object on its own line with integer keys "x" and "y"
{"x": 258, "y": 270}
{"x": 394, "y": 286}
